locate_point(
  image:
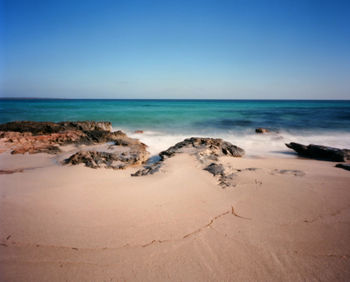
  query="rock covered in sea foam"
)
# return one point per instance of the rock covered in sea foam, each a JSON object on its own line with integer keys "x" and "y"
{"x": 208, "y": 147}
{"x": 206, "y": 150}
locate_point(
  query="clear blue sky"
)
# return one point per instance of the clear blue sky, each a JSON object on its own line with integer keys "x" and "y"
{"x": 175, "y": 49}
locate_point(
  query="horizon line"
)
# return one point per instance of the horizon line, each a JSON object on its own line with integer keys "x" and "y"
{"x": 166, "y": 99}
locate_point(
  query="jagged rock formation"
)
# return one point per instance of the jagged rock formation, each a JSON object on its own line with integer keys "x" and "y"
{"x": 207, "y": 151}
{"x": 36, "y": 137}
{"x": 204, "y": 147}
{"x": 320, "y": 152}
{"x": 46, "y": 137}
{"x": 119, "y": 160}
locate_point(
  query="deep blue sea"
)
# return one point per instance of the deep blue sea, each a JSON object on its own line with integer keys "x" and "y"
{"x": 165, "y": 122}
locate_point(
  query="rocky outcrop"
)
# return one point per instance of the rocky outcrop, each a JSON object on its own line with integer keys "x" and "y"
{"x": 43, "y": 128}
{"x": 320, "y": 152}
{"x": 116, "y": 160}
{"x": 206, "y": 150}
{"x": 23, "y": 142}
{"x": 131, "y": 152}
{"x": 36, "y": 137}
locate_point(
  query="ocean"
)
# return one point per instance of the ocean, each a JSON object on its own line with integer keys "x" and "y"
{"x": 166, "y": 122}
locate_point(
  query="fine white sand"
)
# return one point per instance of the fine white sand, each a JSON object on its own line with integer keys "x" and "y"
{"x": 61, "y": 223}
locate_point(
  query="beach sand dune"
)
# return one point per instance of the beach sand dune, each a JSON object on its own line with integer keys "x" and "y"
{"x": 288, "y": 219}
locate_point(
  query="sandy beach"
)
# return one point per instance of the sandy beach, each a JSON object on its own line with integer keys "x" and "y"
{"x": 286, "y": 220}
{"x": 181, "y": 141}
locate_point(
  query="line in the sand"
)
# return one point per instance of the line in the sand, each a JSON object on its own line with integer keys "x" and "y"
{"x": 230, "y": 211}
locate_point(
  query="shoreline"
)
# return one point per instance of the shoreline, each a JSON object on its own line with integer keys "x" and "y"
{"x": 255, "y": 145}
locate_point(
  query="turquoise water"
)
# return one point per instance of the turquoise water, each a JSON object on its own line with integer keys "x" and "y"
{"x": 329, "y": 121}
{"x": 187, "y": 115}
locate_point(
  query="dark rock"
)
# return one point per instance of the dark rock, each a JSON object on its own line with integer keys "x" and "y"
{"x": 121, "y": 142}
{"x": 206, "y": 150}
{"x": 45, "y": 137}
{"x": 206, "y": 146}
{"x": 49, "y": 149}
{"x": 126, "y": 141}
{"x": 138, "y": 131}
{"x": 215, "y": 169}
{"x": 149, "y": 169}
{"x": 94, "y": 159}
{"x": 87, "y": 125}
{"x": 320, "y": 152}
{"x": 100, "y": 136}
{"x": 42, "y": 128}
{"x": 262, "y": 130}
{"x": 35, "y": 137}
{"x": 343, "y": 166}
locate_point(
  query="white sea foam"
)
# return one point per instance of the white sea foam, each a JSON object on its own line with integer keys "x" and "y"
{"x": 255, "y": 145}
